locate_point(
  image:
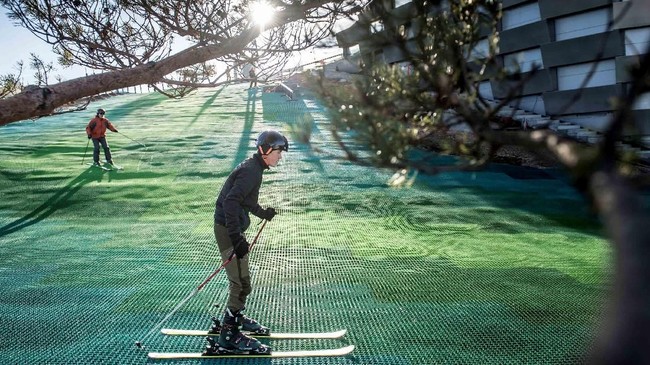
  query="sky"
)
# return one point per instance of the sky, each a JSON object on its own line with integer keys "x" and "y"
{"x": 17, "y": 43}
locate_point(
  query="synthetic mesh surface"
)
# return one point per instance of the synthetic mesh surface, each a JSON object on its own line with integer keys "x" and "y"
{"x": 498, "y": 267}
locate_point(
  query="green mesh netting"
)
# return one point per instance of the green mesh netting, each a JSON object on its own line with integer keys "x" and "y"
{"x": 504, "y": 266}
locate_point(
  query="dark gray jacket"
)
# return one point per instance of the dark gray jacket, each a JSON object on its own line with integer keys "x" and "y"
{"x": 239, "y": 195}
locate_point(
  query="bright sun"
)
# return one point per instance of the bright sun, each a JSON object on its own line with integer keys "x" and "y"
{"x": 261, "y": 12}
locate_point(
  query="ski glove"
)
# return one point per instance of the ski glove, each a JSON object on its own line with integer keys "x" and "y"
{"x": 268, "y": 214}
{"x": 240, "y": 246}
{"x": 89, "y": 136}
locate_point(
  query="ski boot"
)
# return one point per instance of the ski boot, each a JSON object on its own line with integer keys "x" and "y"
{"x": 215, "y": 329}
{"x": 251, "y": 325}
{"x": 231, "y": 340}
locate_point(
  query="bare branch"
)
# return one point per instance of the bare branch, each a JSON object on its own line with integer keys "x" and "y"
{"x": 10, "y": 83}
{"x": 132, "y": 40}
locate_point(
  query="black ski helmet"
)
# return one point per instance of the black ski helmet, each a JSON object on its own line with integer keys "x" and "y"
{"x": 101, "y": 111}
{"x": 270, "y": 140}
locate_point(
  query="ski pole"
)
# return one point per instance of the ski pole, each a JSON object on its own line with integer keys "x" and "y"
{"x": 123, "y": 135}
{"x": 84, "y": 158}
{"x": 198, "y": 288}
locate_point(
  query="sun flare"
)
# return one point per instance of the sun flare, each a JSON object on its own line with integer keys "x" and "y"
{"x": 261, "y": 12}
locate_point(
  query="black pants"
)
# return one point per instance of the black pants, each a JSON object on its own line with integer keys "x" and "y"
{"x": 107, "y": 149}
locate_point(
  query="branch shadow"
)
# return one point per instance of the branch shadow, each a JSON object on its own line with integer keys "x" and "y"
{"x": 247, "y": 132}
{"x": 53, "y": 203}
{"x": 208, "y": 102}
{"x": 299, "y": 121}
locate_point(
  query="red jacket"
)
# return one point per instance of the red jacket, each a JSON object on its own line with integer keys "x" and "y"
{"x": 96, "y": 128}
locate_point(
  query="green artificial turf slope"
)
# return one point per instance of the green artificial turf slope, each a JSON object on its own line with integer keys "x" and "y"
{"x": 494, "y": 267}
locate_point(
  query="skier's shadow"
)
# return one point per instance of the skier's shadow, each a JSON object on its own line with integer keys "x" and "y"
{"x": 59, "y": 200}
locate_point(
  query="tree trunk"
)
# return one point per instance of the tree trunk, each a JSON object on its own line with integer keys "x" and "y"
{"x": 40, "y": 101}
{"x": 625, "y": 335}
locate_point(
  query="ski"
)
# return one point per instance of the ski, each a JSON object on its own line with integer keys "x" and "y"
{"x": 115, "y": 167}
{"x": 278, "y": 354}
{"x": 288, "y": 335}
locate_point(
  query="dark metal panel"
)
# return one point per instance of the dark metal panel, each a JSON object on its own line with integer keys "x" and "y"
{"x": 583, "y": 49}
{"x": 406, "y": 11}
{"x": 557, "y": 8}
{"x": 393, "y": 54}
{"x": 380, "y": 39}
{"x": 590, "y": 100}
{"x": 511, "y": 3}
{"x": 527, "y": 36}
{"x": 637, "y": 15}
{"x": 623, "y": 64}
{"x": 539, "y": 82}
{"x": 642, "y": 121}
{"x": 355, "y": 34}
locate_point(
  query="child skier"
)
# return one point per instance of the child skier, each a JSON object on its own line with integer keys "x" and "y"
{"x": 237, "y": 198}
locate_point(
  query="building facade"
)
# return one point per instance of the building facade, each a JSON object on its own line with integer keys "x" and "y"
{"x": 565, "y": 40}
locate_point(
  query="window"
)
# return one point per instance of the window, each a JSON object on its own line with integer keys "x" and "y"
{"x": 637, "y": 41}
{"x": 399, "y": 3}
{"x": 406, "y": 67}
{"x": 520, "y": 15}
{"x": 580, "y": 25}
{"x": 354, "y": 50}
{"x": 407, "y": 31}
{"x": 523, "y": 61}
{"x": 376, "y": 26}
{"x": 481, "y": 50}
{"x": 351, "y": 51}
{"x": 485, "y": 90}
{"x": 572, "y": 77}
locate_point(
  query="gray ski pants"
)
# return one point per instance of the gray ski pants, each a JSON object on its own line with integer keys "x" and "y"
{"x": 237, "y": 270}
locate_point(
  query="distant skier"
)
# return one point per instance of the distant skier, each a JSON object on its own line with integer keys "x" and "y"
{"x": 253, "y": 76}
{"x": 237, "y": 198}
{"x": 96, "y": 129}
